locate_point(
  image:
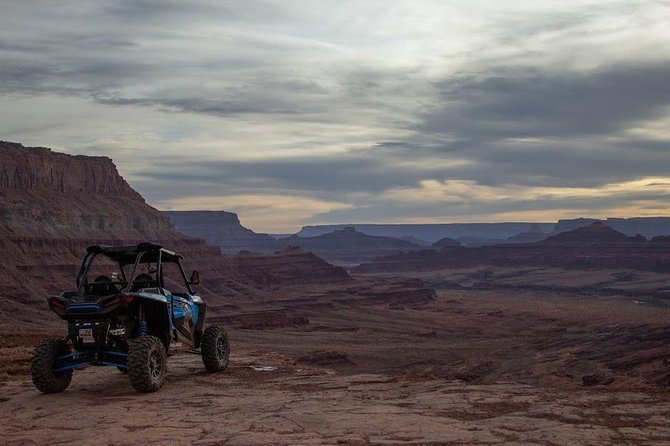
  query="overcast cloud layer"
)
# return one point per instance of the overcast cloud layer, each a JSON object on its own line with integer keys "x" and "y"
{"x": 313, "y": 111}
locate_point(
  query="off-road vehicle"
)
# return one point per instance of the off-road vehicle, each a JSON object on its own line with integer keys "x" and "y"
{"x": 127, "y": 318}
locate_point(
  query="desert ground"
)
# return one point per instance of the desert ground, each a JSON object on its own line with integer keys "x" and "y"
{"x": 472, "y": 366}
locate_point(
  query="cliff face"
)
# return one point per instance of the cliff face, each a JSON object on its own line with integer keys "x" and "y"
{"x": 222, "y": 229}
{"x": 40, "y": 169}
{"x": 53, "y": 205}
{"x": 54, "y": 195}
{"x": 288, "y": 267}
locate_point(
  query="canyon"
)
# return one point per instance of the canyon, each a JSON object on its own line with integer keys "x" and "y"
{"x": 563, "y": 340}
{"x": 53, "y": 205}
{"x": 593, "y": 246}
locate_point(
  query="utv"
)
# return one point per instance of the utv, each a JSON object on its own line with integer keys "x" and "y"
{"x": 126, "y": 318}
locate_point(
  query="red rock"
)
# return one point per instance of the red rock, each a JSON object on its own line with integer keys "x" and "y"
{"x": 53, "y": 205}
{"x": 593, "y": 246}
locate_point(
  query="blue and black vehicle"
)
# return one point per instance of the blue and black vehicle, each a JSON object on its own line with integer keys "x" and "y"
{"x": 124, "y": 315}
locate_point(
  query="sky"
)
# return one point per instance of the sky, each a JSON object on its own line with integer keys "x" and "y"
{"x": 297, "y": 112}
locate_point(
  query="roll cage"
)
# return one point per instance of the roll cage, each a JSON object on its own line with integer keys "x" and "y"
{"x": 135, "y": 255}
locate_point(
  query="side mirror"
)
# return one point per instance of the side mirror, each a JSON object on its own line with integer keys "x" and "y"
{"x": 195, "y": 277}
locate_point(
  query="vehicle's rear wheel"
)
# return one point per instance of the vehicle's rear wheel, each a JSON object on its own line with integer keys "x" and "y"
{"x": 147, "y": 363}
{"x": 215, "y": 348}
{"x": 42, "y": 366}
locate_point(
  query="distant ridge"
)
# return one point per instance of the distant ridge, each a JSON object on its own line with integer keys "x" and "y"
{"x": 594, "y": 246}
{"x": 647, "y": 226}
{"x": 349, "y": 246}
{"x": 596, "y": 232}
{"x": 478, "y": 234}
{"x": 445, "y": 243}
{"x": 222, "y": 229}
{"x": 434, "y": 232}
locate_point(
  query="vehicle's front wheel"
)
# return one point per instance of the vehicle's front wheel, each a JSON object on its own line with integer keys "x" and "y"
{"x": 147, "y": 363}
{"x": 42, "y": 366}
{"x": 215, "y": 348}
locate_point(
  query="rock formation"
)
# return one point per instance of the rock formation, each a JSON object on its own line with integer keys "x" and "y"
{"x": 435, "y": 232}
{"x": 53, "y": 205}
{"x": 345, "y": 246}
{"x": 290, "y": 266}
{"x": 647, "y": 226}
{"x": 349, "y": 246}
{"x": 596, "y": 232}
{"x": 445, "y": 242}
{"x": 222, "y": 229}
{"x": 593, "y": 246}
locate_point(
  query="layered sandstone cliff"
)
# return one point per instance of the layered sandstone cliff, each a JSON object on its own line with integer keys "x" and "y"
{"x": 289, "y": 266}
{"x": 53, "y": 205}
{"x": 222, "y": 229}
{"x": 46, "y": 194}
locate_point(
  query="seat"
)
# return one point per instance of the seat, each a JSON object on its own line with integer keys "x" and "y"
{"x": 101, "y": 286}
{"x": 143, "y": 281}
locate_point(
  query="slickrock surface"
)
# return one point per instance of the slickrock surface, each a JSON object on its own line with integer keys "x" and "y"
{"x": 355, "y": 365}
{"x": 265, "y": 399}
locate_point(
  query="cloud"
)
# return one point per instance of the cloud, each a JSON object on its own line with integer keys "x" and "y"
{"x": 522, "y": 102}
{"x": 456, "y": 200}
{"x": 354, "y": 110}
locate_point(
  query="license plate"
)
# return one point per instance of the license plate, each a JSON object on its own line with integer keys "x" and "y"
{"x": 86, "y": 335}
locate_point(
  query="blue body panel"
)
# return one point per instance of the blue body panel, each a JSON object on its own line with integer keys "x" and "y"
{"x": 183, "y": 308}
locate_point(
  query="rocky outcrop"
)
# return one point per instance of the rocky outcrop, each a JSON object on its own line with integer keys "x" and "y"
{"x": 53, "y": 205}
{"x": 445, "y": 242}
{"x": 596, "y": 232}
{"x": 222, "y": 229}
{"x": 349, "y": 246}
{"x": 290, "y": 266}
{"x": 40, "y": 169}
{"x": 45, "y": 194}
